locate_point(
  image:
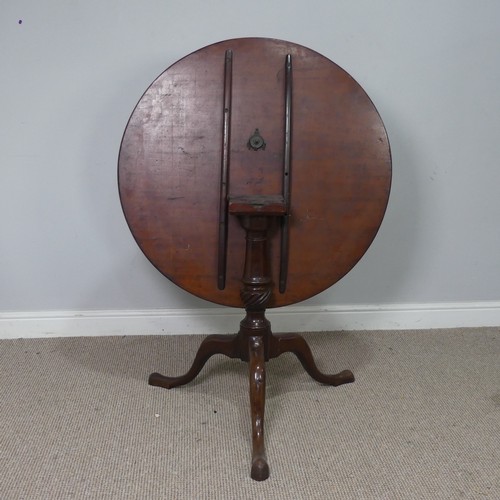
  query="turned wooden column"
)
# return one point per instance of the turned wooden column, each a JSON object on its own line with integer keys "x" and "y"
{"x": 256, "y": 288}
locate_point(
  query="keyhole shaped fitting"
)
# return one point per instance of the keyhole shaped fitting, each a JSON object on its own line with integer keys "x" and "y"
{"x": 256, "y": 141}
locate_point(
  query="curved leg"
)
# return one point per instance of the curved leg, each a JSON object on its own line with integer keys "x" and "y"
{"x": 298, "y": 346}
{"x": 213, "y": 344}
{"x": 260, "y": 468}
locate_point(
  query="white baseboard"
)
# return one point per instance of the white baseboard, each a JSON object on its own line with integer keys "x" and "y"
{"x": 226, "y": 320}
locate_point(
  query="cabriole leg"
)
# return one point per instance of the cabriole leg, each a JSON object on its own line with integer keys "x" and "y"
{"x": 213, "y": 344}
{"x": 260, "y": 468}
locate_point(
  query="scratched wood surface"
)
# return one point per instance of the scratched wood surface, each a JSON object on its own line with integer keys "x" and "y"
{"x": 170, "y": 166}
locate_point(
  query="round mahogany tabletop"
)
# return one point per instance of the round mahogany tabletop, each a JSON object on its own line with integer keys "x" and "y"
{"x": 169, "y": 168}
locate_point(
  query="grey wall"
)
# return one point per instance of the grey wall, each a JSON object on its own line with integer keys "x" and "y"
{"x": 71, "y": 73}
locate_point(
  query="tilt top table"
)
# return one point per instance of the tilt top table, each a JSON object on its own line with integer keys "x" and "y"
{"x": 254, "y": 173}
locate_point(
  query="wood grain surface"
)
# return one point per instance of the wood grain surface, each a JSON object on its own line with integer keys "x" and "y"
{"x": 170, "y": 167}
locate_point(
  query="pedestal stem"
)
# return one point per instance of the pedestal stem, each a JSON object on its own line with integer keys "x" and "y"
{"x": 255, "y": 329}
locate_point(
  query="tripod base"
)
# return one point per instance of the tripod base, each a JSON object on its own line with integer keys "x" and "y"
{"x": 255, "y": 342}
{"x": 256, "y": 345}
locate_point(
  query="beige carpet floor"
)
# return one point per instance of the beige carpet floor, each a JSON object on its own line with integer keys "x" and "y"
{"x": 422, "y": 420}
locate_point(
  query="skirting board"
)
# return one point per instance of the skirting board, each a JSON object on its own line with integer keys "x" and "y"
{"x": 226, "y": 320}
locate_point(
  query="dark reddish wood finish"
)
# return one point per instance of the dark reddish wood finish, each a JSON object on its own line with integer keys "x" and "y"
{"x": 186, "y": 167}
{"x": 257, "y": 382}
{"x": 170, "y": 163}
